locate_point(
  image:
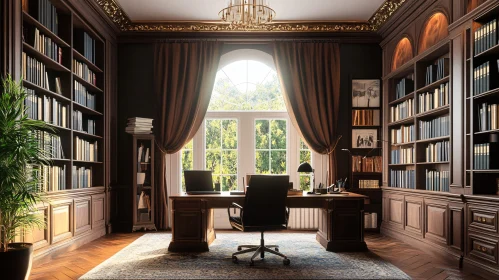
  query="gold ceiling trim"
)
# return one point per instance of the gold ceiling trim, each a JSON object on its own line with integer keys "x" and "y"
{"x": 113, "y": 10}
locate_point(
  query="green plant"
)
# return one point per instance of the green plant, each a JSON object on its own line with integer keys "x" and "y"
{"x": 20, "y": 159}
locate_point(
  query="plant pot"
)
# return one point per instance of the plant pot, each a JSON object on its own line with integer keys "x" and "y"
{"x": 15, "y": 264}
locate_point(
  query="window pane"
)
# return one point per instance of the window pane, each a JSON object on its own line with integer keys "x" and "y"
{"x": 305, "y": 182}
{"x": 262, "y": 161}
{"x": 229, "y": 160}
{"x": 229, "y": 183}
{"x": 278, "y": 162}
{"x": 278, "y": 134}
{"x": 213, "y": 161}
{"x": 305, "y": 156}
{"x": 187, "y": 162}
{"x": 262, "y": 134}
{"x": 213, "y": 134}
{"x": 229, "y": 134}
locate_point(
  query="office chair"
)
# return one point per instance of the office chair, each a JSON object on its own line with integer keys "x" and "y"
{"x": 264, "y": 210}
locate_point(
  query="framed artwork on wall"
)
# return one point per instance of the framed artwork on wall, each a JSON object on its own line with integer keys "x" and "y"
{"x": 364, "y": 138}
{"x": 366, "y": 93}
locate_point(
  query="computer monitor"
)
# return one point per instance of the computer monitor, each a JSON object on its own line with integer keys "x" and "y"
{"x": 198, "y": 180}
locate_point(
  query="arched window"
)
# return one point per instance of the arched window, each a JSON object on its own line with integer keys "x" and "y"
{"x": 247, "y": 128}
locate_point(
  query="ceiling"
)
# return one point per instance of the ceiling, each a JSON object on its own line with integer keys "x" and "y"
{"x": 286, "y": 10}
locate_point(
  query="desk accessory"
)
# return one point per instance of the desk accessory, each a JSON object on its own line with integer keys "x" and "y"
{"x": 305, "y": 167}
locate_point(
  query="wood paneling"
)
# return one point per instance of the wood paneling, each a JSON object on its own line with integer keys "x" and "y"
{"x": 62, "y": 220}
{"x": 98, "y": 210}
{"x": 483, "y": 248}
{"x": 414, "y": 215}
{"x": 436, "y": 221}
{"x": 40, "y": 237}
{"x": 396, "y": 210}
{"x": 456, "y": 232}
{"x": 82, "y": 214}
{"x": 482, "y": 218}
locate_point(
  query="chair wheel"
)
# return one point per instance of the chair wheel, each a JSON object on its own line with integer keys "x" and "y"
{"x": 234, "y": 259}
{"x": 252, "y": 263}
{"x": 276, "y": 249}
{"x": 286, "y": 261}
{"x": 239, "y": 248}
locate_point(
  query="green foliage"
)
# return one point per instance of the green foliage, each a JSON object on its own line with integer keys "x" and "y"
{"x": 270, "y": 145}
{"x": 20, "y": 158}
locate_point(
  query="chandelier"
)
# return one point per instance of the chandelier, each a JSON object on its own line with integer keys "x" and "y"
{"x": 247, "y": 12}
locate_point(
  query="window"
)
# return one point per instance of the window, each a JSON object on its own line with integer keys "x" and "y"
{"x": 270, "y": 146}
{"x": 187, "y": 161}
{"x": 305, "y": 156}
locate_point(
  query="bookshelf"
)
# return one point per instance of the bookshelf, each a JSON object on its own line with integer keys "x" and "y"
{"x": 62, "y": 66}
{"x": 419, "y": 122}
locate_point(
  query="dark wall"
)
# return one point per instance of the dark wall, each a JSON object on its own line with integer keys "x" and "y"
{"x": 358, "y": 61}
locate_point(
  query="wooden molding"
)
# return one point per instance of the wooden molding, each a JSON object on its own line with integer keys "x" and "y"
{"x": 119, "y": 17}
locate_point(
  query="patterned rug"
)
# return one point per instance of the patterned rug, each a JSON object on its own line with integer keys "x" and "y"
{"x": 148, "y": 258}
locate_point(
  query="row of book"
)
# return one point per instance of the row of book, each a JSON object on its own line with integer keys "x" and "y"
{"x": 45, "y": 108}
{"x": 438, "y": 127}
{"x": 82, "y": 177}
{"x": 402, "y": 110}
{"x": 365, "y": 117}
{"x": 367, "y": 164}
{"x": 404, "y": 134}
{"x": 488, "y": 116}
{"x": 371, "y": 220}
{"x": 45, "y": 13}
{"x": 51, "y": 144}
{"x": 402, "y": 156}
{"x": 431, "y": 100}
{"x": 485, "y": 36}
{"x": 403, "y": 179}
{"x": 437, "y": 152}
{"x": 85, "y": 150}
{"x": 485, "y": 156}
{"x": 82, "y": 123}
{"x": 52, "y": 178}
{"x": 437, "y": 180}
{"x": 368, "y": 184}
{"x": 34, "y": 71}
{"x": 404, "y": 87}
{"x": 435, "y": 72}
{"x": 43, "y": 44}
{"x": 81, "y": 70}
{"x": 482, "y": 80}
{"x": 85, "y": 44}
{"x": 83, "y": 97}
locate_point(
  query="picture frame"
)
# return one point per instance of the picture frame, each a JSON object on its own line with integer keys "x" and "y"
{"x": 364, "y": 138}
{"x": 366, "y": 93}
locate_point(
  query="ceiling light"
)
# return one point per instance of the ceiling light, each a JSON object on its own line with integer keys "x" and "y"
{"x": 247, "y": 12}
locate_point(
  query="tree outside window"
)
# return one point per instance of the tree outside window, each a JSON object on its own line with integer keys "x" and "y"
{"x": 270, "y": 146}
{"x": 187, "y": 161}
{"x": 305, "y": 156}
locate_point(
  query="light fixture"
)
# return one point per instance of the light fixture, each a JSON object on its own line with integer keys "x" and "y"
{"x": 247, "y": 12}
{"x": 306, "y": 167}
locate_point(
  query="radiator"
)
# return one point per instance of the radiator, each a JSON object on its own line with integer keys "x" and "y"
{"x": 303, "y": 218}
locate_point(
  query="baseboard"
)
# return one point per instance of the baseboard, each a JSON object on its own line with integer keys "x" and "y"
{"x": 46, "y": 253}
{"x": 477, "y": 268}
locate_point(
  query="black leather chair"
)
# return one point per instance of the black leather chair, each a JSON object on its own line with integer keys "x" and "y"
{"x": 264, "y": 210}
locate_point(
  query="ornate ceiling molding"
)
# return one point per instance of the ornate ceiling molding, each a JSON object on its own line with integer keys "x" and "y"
{"x": 112, "y": 9}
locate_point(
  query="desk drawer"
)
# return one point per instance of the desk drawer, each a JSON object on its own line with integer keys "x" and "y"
{"x": 483, "y": 248}
{"x": 483, "y": 218}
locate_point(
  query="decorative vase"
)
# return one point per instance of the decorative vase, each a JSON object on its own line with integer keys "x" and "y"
{"x": 15, "y": 264}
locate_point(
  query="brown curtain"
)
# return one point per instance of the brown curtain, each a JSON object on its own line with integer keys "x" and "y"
{"x": 310, "y": 76}
{"x": 184, "y": 76}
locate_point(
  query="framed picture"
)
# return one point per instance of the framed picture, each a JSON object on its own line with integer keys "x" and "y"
{"x": 364, "y": 138}
{"x": 366, "y": 93}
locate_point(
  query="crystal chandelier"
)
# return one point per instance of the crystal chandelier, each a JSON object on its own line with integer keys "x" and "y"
{"x": 247, "y": 12}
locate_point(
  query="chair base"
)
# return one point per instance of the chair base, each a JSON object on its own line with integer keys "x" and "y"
{"x": 259, "y": 250}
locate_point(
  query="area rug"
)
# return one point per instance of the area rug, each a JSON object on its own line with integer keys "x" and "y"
{"x": 148, "y": 258}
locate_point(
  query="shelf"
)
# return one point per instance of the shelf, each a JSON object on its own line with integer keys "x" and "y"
{"x": 366, "y": 126}
{"x": 85, "y": 109}
{"x": 144, "y": 162}
{"x": 403, "y": 144}
{"x": 421, "y": 191}
{"x": 60, "y": 159}
{"x": 57, "y": 127}
{"x": 434, "y": 112}
{"x": 47, "y": 61}
{"x": 409, "y": 120}
{"x": 83, "y": 133}
{"x": 45, "y": 91}
{"x": 486, "y": 171}
{"x": 430, "y": 163}
{"x": 78, "y": 56}
{"x": 433, "y": 139}
{"x": 364, "y": 189}
{"x": 400, "y": 164}
{"x": 433, "y": 85}
{"x": 493, "y": 50}
{"x": 402, "y": 99}
{"x": 28, "y": 18}
{"x": 86, "y": 84}
{"x": 487, "y": 132}
{"x": 89, "y": 162}
{"x": 367, "y": 173}
{"x": 486, "y": 94}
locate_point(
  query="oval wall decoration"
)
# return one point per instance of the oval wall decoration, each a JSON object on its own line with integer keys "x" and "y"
{"x": 436, "y": 29}
{"x": 403, "y": 53}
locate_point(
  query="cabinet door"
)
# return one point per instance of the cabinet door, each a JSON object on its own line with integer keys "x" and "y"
{"x": 40, "y": 237}
{"x": 62, "y": 220}
{"x": 414, "y": 215}
{"x": 98, "y": 210}
{"x": 437, "y": 215}
{"x": 82, "y": 219}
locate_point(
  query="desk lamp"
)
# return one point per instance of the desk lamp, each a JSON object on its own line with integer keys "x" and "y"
{"x": 307, "y": 168}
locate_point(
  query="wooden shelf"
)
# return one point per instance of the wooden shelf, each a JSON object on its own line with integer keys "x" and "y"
{"x": 433, "y": 85}
{"x": 433, "y": 139}
{"x": 87, "y": 162}
{"x": 486, "y": 171}
{"x": 86, "y": 84}
{"x": 401, "y": 164}
{"x": 402, "y": 99}
{"x": 409, "y": 120}
{"x": 85, "y": 109}
{"x": 78, "y": 56}
{"x": 58, "y": 127}
{"x": 487, "y": 94}
{"x": 434, "y": 112}
{"x": 45, "y": 91}
{"x": 31, "y": 20}
{"x": 47, "y": 61}
{"x": 60, "y": 159}
{"x": 430, "y": 163}
{"x": 491, "y": 51}
{"x": 367, "y": 173}
{"x": 487, "y": 132}
{"x": 83, "y": 133}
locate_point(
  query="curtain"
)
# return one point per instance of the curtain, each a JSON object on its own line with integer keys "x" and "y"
{"x": 184, "y": 76}
{"x": 310, "y": 77}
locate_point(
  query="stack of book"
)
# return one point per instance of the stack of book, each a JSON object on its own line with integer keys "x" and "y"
{"x": 485, "y": 37}
{"x": 371, "y": 220}
{"x": 437, "y": 180}
{"x": 53, "y": 178}
{"x": 488, "y": 117}
{"x": 404, "y": 87}
{"x": 82, "y": 177}
{"x": 139, "y": 126}
{"x": 403, "y": 179}
{"x": 432, "y": 100}
{"x": 365, "y": 117}
{"x": 437, "y": 152}
{"x": 402, "y": 156}
{"x": 485, "y": 156}
{"x": 85, "y": 150}
{"x": 43, "y": 44}
{"x": 438, "y": 127}
{"x": 368, "y": 184}
{"x": 34, "y": 72}
{"x": 81, "y": 70}
{"x": 85, "y": 44}
{"x": 45, "y": 13}
{"x": 485, "y": 77}
{"x": 402, "y": 111}
{"x": 367, "y": 164}
{"x": 404, "y": 134}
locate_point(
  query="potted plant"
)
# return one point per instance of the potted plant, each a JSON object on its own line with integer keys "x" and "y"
{"x": 20, "y": 158}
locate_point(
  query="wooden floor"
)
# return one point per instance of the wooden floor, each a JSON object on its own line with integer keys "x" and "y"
{"x": 72, "y": 265}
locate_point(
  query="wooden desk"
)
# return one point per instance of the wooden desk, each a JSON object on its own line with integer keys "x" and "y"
{"x": 341, "y": 220}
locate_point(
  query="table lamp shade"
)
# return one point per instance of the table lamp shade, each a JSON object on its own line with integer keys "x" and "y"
{"x": 305, "y": 167}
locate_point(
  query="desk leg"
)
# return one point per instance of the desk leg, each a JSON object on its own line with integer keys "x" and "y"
{"x": 341, "y": 226}
{"x": 192, "y": 226}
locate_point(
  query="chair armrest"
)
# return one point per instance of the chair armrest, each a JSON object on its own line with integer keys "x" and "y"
{"x": 234, "y": 206}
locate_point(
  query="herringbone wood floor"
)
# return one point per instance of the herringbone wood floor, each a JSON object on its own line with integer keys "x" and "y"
{"x": 72, "y": 265}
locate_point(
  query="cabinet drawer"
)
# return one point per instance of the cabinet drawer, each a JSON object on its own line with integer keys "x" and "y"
{"x": 482, "y": 218}
{"x": 483, "y": 248}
